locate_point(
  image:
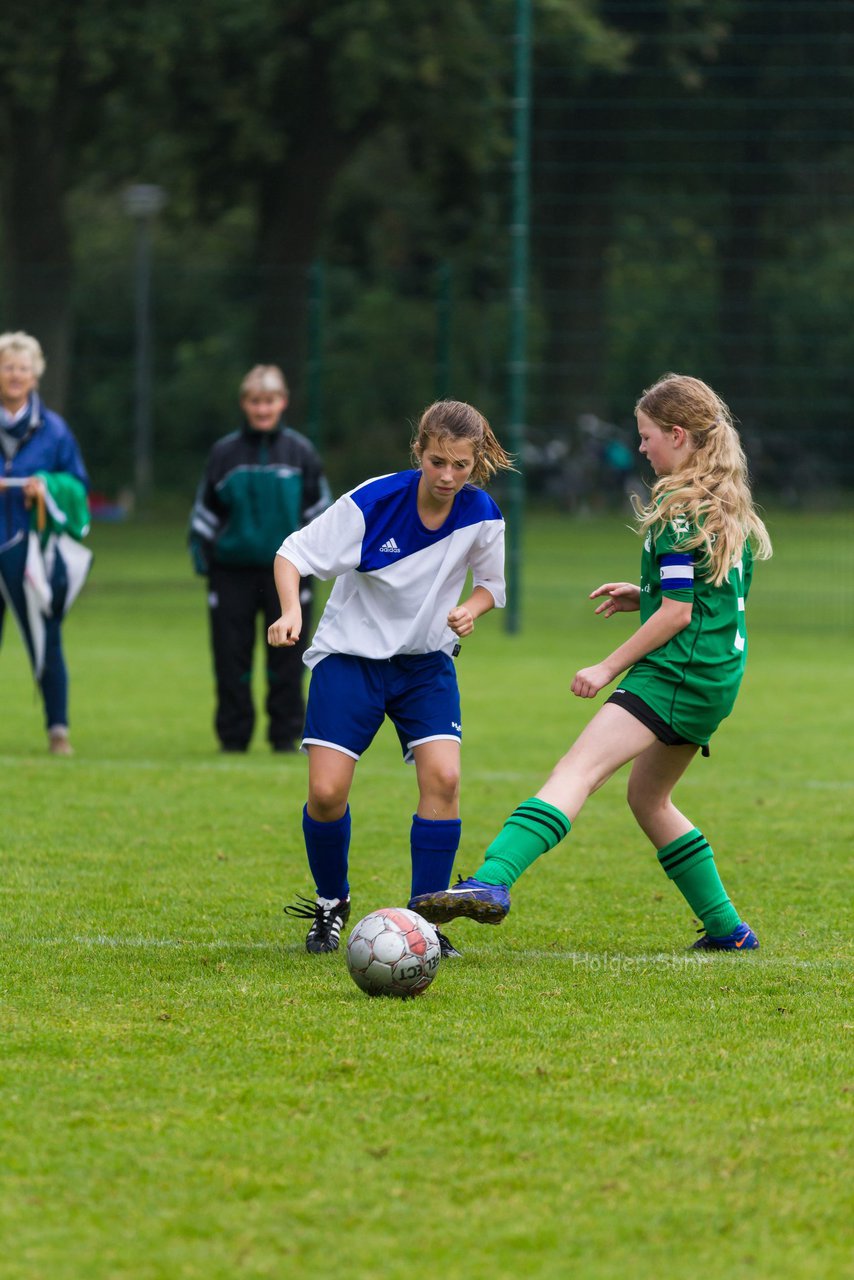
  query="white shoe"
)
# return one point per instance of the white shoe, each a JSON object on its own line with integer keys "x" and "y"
{"x": 57, "y": 741}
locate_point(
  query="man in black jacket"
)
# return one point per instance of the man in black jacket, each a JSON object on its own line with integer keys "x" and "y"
{"x": 260, "y": 484}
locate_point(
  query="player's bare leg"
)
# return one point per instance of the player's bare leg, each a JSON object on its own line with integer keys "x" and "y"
{"x": 684, "y": 853}
{"x": 330, "y": 777}
{"x": 654, "y": 775}
{"x": 612, "y": 738}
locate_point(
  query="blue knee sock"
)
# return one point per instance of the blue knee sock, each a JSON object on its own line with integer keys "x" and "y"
{"x": 327, "y": 845}
{"x": 434, "y": 847}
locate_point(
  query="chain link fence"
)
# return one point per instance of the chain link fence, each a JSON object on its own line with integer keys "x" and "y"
{"x": 694, "y": 212}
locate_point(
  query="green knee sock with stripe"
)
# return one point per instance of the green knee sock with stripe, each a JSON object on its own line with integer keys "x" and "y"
{"x": 531, "y": 830}
{"x": 690, "y": 864}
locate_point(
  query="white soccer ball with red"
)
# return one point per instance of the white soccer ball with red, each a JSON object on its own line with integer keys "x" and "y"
{"x": 393, "y": 952}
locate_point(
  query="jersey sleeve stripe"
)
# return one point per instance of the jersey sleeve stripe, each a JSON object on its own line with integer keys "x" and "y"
{"x": 677, "y": 577}
{"x": 677, "y": 558}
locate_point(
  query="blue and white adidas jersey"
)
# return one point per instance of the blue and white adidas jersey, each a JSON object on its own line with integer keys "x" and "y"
{"x": 397, "y": 579}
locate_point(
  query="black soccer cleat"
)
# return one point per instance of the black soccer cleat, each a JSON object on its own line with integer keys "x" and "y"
{"x": 328, "y": 916}
{"x": 446, "y": 947}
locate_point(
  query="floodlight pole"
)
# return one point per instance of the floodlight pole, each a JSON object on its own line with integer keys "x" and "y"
{"x": 143, "y": 202}
{"x": 517, "y": 365}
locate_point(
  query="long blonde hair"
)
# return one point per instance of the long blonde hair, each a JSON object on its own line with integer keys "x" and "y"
{"x": 456, "y": 420}
{"x": 711, "y": 489}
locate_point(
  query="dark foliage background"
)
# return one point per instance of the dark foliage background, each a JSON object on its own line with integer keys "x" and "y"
{"x": 338, "y": 196}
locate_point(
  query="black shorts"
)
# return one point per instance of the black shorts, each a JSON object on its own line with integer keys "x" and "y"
{"x": 663, "y": 731}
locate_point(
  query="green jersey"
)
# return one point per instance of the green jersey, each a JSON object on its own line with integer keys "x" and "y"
{"x": 692, "y": 680}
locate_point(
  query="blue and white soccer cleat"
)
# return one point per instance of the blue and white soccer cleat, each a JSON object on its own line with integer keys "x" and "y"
{"x": 742, "y": 938}
{"x": 474, "y": 899}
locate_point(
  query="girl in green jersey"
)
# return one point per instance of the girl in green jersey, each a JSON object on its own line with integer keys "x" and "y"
{"x": 683, "y": 667}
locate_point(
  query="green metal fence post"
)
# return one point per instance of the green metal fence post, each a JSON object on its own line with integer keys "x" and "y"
{"x": 444, "y": 303}
{"x": 517, "y": 361}
{"x": 314, "y": 363}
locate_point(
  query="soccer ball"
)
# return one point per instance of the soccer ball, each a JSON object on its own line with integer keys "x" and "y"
{"x": 393, "y": 952}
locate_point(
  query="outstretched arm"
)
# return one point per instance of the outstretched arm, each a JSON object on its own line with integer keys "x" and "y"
{"x": 286, "y": 631}
{"x": 622, "y": 597}
{"x": 672, "y": 617}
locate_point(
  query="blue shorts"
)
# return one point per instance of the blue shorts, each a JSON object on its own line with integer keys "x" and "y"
{"x": 349, "y": 697}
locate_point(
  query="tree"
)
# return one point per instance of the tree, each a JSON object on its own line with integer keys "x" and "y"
{"x": 270, "y": 102}
{"x": 65, "y": 66}
{"x": 593, "y": 138}
{"x": 256, "y": 102}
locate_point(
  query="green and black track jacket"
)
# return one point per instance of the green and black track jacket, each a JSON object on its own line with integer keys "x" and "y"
{"x": 258, "y": 487}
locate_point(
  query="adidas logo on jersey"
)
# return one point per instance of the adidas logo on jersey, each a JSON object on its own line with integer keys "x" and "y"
{"x": 390, "y": 548}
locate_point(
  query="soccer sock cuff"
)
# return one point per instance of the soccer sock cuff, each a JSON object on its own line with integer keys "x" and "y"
{"x": 690, "y": 863}
{"x": 327, "y": 845}
{"x": 433, "y": 845}
{"x": 531, "y": 830}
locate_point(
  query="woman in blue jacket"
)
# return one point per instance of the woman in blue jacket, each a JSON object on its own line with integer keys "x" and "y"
{"x": 38, "y": 455}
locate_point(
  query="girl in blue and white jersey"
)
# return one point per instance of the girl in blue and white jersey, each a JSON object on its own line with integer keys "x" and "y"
{"x": 400, "y": 547}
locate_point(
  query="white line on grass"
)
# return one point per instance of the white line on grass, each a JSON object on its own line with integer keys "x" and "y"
{"x": 250, "y": 764}
{"x": 244, "y": 765}
{"x": 609, "y": 962}
{"x": 605, "y": 961}
{"x": 140, "y": 943}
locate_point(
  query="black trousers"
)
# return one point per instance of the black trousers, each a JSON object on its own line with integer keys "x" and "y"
{"x": 236, "y": 597}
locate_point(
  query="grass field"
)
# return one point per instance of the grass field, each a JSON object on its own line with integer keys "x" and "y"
{"x": 185, "y": 1093}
